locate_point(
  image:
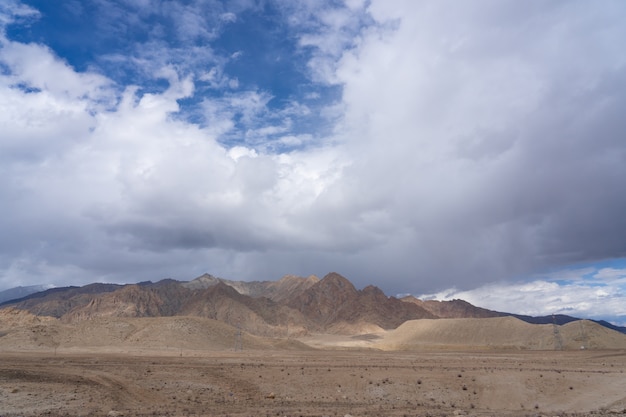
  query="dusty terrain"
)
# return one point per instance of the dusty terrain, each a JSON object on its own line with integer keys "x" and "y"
{"x": 99, "y": 365}
{"x": 313, "y": 383}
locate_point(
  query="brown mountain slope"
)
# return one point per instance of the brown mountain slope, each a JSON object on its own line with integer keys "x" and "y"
{"x": 56, "y": 302}
{"x": 284, "y": 289}
{"x": 322, "y": 302}
{"x": 219, "y": 301}
{"x": 302, "y": 304}
{"x": 259, "y": 316}
{"x": 452, "y": 309}
{"x": 334, "y": 301}
{"x": 291, "y": 306}
{"x": 164, "y": 298}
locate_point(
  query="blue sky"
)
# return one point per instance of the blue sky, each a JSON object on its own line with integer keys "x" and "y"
{"x": 438, "y": 148}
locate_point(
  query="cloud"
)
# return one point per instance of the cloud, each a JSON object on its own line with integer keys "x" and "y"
{"x": 131, "y": 180}
{"x": 596, "y": 293}
{"x": 499, "y": 149}
{"x": 327, "y": 30}
{"x": 12, "y": 11}
{"x": 461, "y": 144}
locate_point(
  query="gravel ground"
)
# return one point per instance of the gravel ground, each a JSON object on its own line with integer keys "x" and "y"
{"x": 313, "y": 383}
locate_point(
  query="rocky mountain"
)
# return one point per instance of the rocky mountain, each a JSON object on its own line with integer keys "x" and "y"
{"x": 282, "y": 290}
{"x": 334, "y": 300}
{"x": 454, "y": 309}
{"x": 56, "y": 302}
{"x": 290, "y": 306}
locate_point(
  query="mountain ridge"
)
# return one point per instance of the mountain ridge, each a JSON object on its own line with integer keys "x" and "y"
{"x": 288, "y": 306}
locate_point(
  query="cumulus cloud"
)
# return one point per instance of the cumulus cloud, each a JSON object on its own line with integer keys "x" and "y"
{"x": 467, "y": 143}
{"x": 113, "y": 187}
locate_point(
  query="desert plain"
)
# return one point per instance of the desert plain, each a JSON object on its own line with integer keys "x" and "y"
{"x": 313, "y": 383}
{"x": 199, "y": 367}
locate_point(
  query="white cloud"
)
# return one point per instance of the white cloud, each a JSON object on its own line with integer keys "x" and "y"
{"x": 133, "y": 178}
{"x": 229, "y": 17}
{"x": 35, "y": 67}
{"x": 613, "y": 274}
{"x": 45, "y": 106}
{"x": 328, "y": 30}
{"x": 12, "y": 11}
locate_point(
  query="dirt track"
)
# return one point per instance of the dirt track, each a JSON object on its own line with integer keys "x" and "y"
{"x": 316, "y": 383}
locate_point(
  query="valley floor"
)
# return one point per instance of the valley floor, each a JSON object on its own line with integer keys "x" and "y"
{"x": 312, "y": 383}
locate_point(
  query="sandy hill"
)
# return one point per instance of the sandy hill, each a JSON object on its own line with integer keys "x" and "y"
{"x": 20, "y": 330}
{"x": 11, "y": 318}
{"x": 499, "y": 333}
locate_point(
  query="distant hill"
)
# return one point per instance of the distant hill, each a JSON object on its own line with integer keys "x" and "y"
{"x": 57, "y": 301}
{"x": 462, "y": 309}
{"x": 20, "y": 292}
{"x": 499, "y": 333}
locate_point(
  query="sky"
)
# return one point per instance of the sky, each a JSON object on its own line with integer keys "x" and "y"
{"x": 445, "y": 149}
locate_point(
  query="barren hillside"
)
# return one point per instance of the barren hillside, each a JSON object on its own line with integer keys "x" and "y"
{"x": 453, "y": 309}
{"x": 327, "y": 313}
{"x": 22, "y": 331}
{"x": 499, "y": 333}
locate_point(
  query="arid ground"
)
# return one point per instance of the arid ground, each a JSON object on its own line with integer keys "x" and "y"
{"x": 312, "y": 383}
{"x": 196, "y": 366}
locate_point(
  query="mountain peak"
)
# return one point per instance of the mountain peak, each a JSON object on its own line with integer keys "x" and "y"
{"x": 203, "y": 281}
{"x": 374, "y": 290}
{"x": 324, "y": 300}
{"x": 336, "y": 281}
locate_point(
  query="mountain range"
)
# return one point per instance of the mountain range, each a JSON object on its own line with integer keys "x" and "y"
{"x": 21, "y": 291}
{"x": 290, "y": 306}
